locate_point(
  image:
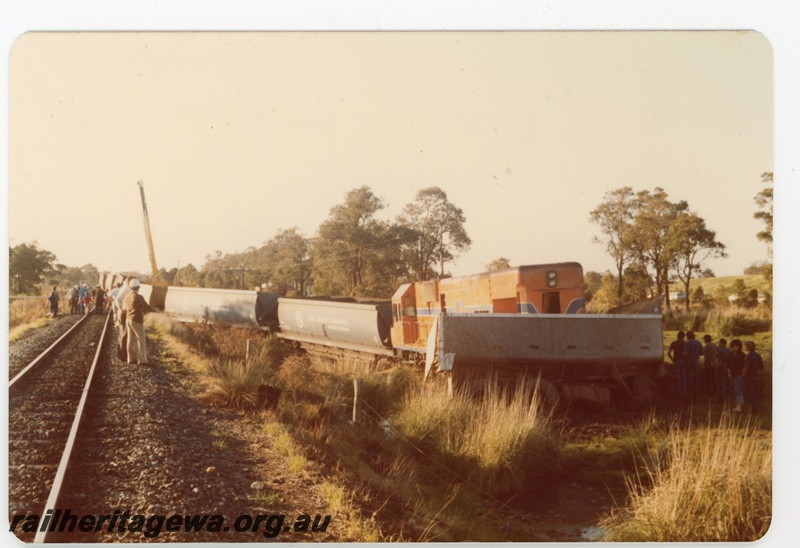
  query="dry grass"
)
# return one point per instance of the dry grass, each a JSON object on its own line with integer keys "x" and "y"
{"x": 500, "y": 442}
{"x": 25, "y": 314}
{"x": 714, "y": 484}
{"x": 233, "y": 380}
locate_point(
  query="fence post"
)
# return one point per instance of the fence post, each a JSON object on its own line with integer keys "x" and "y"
{"x": 247, "y": 352}
{"x": 357, "y": 383}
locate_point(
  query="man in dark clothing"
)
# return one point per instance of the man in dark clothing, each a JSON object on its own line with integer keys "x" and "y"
{"x": 753, "y": 365}
{"x": 675, "y": 354}
{"x": 723, "y": 359}
{"x": 52, "y": 300}
{"x": 692, "y": 350}
{"x": 99, "y": 299}
{"x": 710, "y": 366}
{"x": 735, "y": 371}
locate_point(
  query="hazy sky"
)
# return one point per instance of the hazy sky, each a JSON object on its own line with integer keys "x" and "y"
{"x": 238, "y": 135}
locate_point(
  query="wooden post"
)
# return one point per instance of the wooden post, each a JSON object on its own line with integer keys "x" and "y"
{"x": 357, "y": 383}
{"x": 247, "y": 352}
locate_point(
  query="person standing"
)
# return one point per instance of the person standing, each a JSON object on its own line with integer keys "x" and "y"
{"x": 81, "y": 294}
{"x": 723, "y": 359}
{"x": 735, "y": 371}
{"x": 753, "y": 365}
{"x": 122, "y": 324}
{"x": 86, "y": 302}
{"x": 135, "y": 309}
{"x": 675, "y": 354}
{"x": 692, "y": 351}
{"x": 710, "y": 366}
{"x": 52, "y": 300}
{"x": 72, "y": 297}
{"x": 99, "y": 299}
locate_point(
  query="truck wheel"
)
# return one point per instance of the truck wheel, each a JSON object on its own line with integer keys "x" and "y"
{"x": 643, "y": 391}
{"x": 549, "y": 396}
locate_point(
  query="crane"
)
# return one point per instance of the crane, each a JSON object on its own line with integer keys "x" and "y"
{"x": 156, "y": 278}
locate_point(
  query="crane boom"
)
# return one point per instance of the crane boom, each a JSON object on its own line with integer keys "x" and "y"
{"x": 156, "y": 276}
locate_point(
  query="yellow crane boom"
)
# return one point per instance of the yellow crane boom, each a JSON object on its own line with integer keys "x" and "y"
{"x": 156, "y": 280}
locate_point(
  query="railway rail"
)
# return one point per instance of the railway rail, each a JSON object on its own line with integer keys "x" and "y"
{"x": 47, "y": 399}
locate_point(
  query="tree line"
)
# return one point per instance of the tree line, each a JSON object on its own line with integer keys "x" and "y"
{"x": 655, "y": 241}
{"x": 354, "y": 253}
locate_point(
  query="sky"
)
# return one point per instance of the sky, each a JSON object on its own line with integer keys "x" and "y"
{"x": 237, "y": 135}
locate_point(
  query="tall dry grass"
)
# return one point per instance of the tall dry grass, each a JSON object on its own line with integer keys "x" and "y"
{"x": 713, "y": 484}
{"x": 499, "y": 443}
{"x": 27, "y": 310}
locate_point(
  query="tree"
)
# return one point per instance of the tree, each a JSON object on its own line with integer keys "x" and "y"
{"x": 347, "y": 245}
{"x": 637, "y": 284}
{"x": 498, "y": 264}
{"x": 187, "y": 276}
{"x": 649, "y": 235}
{"x": 591, "y": 284}
{"x": 289, "y": 258}
{"x": 764, "y": 201}
{"x": 28, "y": 266}
{"x": 605, "y": 296}
{"x": 614, "y": 216}
{"x": 439, "y": 229}
{"x": 690, "y": 242}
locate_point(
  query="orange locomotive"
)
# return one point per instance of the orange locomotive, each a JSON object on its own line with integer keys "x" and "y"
{"x": 534, "y": 289}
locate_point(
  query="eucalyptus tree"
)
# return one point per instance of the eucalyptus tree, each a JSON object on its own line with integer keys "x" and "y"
{"x": 440, "y": 234}
{"x": 764, "y": 202}
{"x": 614, "y": 216}
{"x": 691, "y": 243}
{"x": 350, "y": 244}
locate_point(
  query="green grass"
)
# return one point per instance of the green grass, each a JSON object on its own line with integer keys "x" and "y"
{"x": 710, "y": 285}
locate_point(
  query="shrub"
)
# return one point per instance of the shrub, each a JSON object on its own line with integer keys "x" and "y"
{"x": 499, "y": 443}
{"x": 714, "y": 484}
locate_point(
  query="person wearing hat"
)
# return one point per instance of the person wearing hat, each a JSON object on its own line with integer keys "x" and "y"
{"x": 135, "y": 309}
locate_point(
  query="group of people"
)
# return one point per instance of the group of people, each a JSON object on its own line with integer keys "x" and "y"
{"x": 129, "y": 308}
{"x": 726, "y": 374}
{"x": 80, "y": 299}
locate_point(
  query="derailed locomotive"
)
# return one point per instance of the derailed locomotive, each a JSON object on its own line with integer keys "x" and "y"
{"x": 522, "y": 322}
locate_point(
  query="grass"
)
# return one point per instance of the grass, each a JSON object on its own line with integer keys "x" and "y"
{"x": 713, "y": 484}
{"x": 418, "y": 462}
{"x": 234, "y": 377}
{"x": 267, "y": 500}
{"x": 710, "y": 285}
{"x": 499, "y": 442}
{"x": 25, "y": 314}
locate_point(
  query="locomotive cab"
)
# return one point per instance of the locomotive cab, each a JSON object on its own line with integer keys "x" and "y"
{"x": 533, "y": 289}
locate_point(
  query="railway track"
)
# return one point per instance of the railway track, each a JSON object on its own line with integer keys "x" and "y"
{"x": 46, "y": 403}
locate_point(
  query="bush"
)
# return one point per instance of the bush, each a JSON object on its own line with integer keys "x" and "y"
{"x": 237, "y": 382}
{"x": 498, "y": 443}
{"x": 714, "y": 484}
{"x": 737, "y": 322}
